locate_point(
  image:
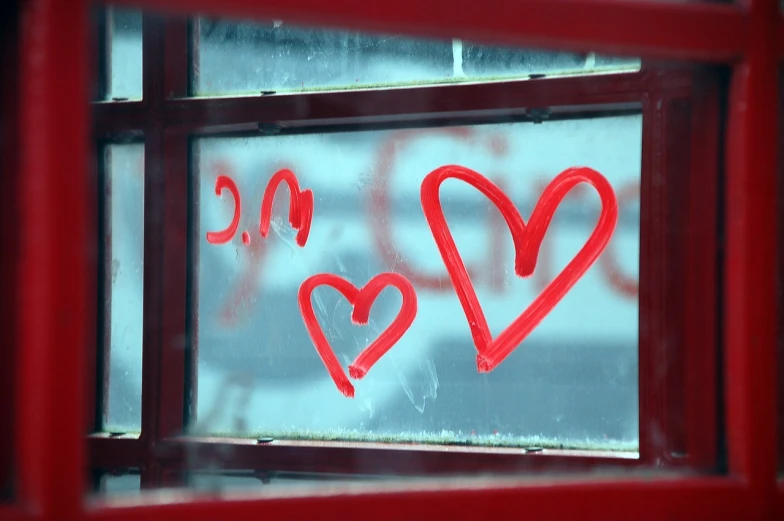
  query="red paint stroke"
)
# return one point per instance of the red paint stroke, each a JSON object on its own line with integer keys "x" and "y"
{"x": 245, "y": 238}
{"x": 622, "y": 283}
{"x": 362, "y": 300}
{"x": 544, "y": 275}
{"x": 527, "y": 241}
{"x": 300, "y": 205}
{"x": 225, "y": 236}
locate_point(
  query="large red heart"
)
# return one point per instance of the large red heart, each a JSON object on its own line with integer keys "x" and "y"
{"x": 527, "y": 241}
{"x": 362, "y": 300}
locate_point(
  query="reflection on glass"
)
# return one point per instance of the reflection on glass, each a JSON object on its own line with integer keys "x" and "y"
{"x": 571, "y": 383}
{"x": 244, "y": 58}
{"x": 125, "y": 240}
{"x": 124, "y": 42}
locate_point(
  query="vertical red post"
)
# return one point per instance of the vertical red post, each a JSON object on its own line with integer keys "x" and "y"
{"x": 57, "y": 249}
{"x": 750, "y": 296}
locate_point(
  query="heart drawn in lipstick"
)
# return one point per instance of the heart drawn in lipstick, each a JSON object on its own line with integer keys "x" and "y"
{"x": 362, "y": 300}
{"x": 527, "y": 242}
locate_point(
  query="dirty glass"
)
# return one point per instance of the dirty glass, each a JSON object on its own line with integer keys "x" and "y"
{"x": 571, "y": 383}
{"x": 255, "y": 58}
{"x": 123, "y": 283}
{"x": 124, "y": 52}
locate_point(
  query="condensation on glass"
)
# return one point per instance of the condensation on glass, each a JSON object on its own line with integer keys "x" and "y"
{"x": 572, "y": 383}
{"x": 247, "y": 58}
{"x": 124, "y": 54}
{"x": 124, "y": 244}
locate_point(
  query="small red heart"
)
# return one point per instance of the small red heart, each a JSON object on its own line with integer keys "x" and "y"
{"x": 527, "y": 241}
{"x": 362, "y": 300}
{"x": 300, "y": 205}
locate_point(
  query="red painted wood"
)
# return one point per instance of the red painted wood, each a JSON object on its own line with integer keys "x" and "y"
{"x": 596, "y": 499}
{"x": 695, "y": 30}
{"x": 56, "y": 259}
{"x": 750, "y": 323}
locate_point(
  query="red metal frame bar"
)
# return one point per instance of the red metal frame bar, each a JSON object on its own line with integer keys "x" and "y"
{"x": 613, "y": 92}
{"x": 592, "y": 498}
{"x": 678, "y": 257}
{"x": 55, "y": 260}
{"x": 165, "y": 256}
{"x": 187, "y": 454}
{"x": 119, "y": 452}
{"x": 750, "y": 323}
{"x": 701, "y": 31}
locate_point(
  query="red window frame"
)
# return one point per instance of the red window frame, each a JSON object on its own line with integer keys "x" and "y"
{"x": 56, "y": 285}
{"x": 677, "y": 314}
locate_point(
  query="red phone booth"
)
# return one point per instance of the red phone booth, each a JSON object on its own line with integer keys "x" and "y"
{"x": 440, "y": 260}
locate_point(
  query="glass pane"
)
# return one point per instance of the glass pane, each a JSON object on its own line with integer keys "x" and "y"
{"x": 125, "y": 274}
{"x": 124, "y": 42}
{"x": 248, "y": 481}
{"x": 245, "y": 58}
{"x": 571, "y": 383}
{"x": 121, "y": 484}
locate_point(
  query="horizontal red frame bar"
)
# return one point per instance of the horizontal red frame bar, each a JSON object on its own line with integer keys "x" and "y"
{"x": 606, "y": 499}
{"x": 371, "y": 458}
{"x": 108, "y": 452}
{"x": 701, "y": 31}
{"x": 622, "y": 91}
